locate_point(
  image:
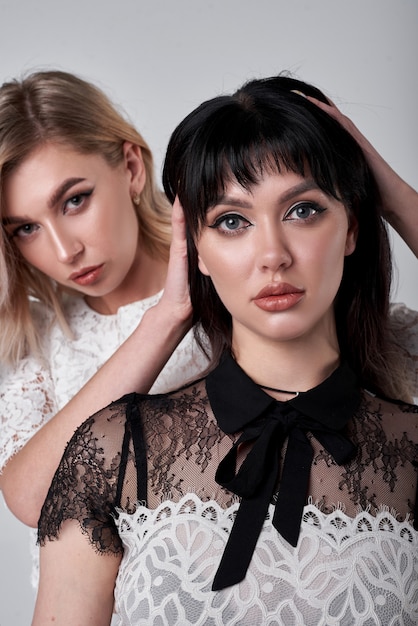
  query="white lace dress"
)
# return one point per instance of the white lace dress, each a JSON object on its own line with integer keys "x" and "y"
{"x": 35, "y": 391}
{"x": 335, "y": 545}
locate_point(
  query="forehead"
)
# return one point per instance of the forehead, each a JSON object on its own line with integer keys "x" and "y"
{"x": 46, "y": 168}
{"x": 285, "y": 184}
{"x": 53, "y": 156}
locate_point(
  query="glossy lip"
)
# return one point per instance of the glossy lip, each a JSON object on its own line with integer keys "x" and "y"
{"x": 87, "y": 275}
{"x": 278, "y": 297}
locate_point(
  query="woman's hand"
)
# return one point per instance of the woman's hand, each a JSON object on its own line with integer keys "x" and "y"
{"x": 345, "y": 121}
{"x": 399, "y": 201}
{"x": 176, "y": 294}
{"x": 133, "y": 367}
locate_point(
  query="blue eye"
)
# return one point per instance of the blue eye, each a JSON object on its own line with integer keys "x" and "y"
{"x": 230, "y": 224}
{"x": 26, "y": 230}
{"x": 78, "y": 200}
{"x": 303, "y": 211}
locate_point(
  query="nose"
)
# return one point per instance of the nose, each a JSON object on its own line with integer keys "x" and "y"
{"x": 67, "y": 247}
{"x": 273, "y": 248}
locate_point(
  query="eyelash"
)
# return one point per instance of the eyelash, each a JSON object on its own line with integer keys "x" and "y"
{"x": 312, "y": 206}
{"x": 83, "y": 195}
{"x": 222, "y": 219}
{"x": 19, "y": 231}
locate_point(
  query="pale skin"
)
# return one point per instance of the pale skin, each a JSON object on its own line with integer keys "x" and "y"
{"x": 61, "y": 598}
{"x": 284, "y": 242}
{"x": 85, "y": 600}
{"x": 159, "y": 332}
{"x": 60, "y": 242}
{"x": 285, "y": 231}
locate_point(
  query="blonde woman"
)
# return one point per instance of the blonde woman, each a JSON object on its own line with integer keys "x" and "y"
{"x": 84, "y": 251}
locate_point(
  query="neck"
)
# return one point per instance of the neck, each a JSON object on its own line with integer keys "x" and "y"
{"x": 289, "y": 367}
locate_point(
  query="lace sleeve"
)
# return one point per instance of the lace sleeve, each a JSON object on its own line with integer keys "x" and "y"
{"x": 85, "y": 484}
{"x": 405, "y": 328}
{"x": 26, "y": 404}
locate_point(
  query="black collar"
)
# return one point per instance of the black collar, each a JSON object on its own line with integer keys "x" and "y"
{"x": 237, "y": 400}
{"x": 241, "y": 405}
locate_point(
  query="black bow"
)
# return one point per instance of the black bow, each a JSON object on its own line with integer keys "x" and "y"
{"x": 323, "y": 411}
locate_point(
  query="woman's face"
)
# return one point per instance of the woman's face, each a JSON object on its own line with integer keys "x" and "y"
{"x": 71, "y": 216}
{"x": 275, "y": 255}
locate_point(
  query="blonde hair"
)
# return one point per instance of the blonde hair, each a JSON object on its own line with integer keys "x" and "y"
{"x": 55, "y": 106}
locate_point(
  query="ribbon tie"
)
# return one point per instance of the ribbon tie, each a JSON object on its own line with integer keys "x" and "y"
{"x": 267, "y": 424}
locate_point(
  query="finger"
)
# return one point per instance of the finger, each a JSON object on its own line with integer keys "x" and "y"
{"x": 178, "y": 224}
{"x": 330, "y": 107}
{"x": 178, "y": 213}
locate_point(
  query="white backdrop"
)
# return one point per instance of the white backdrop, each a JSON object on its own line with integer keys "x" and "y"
{"x": 158, "y": 59}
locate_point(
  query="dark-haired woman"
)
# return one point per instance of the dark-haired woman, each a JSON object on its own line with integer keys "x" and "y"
{"x": 282, "y": 487}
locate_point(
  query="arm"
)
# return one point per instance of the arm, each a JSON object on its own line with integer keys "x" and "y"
{"x": 399, "y": 200}
{"x": 80, "y": 546}
{"x": 76, "y": 583}
{"x": 27, "y": 476}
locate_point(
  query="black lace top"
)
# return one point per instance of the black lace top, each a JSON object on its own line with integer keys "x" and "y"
{"x": 223, "y": 439}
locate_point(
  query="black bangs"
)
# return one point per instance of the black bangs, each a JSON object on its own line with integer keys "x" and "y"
{"x": 242, "y": 137}
{"x": 268, "y": 126}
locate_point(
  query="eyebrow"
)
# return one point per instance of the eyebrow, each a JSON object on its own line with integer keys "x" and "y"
{"x": 62, "y": 189}
{"x": 306, "y": 185}
{"x": 56, "y": 196}
{"x": 8, "y": 221}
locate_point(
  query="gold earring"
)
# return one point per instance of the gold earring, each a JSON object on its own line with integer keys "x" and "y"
{"x": 136, "y": 199}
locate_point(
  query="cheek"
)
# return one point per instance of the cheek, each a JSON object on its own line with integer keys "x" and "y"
{"x": 331, "y": 265}
{"x": 40, "y": 257}
{"x": 202, "y": 266}
{"x": 324, "y": 261}
{"x": 221, "y": 263}
{"x": 114, "y": 228}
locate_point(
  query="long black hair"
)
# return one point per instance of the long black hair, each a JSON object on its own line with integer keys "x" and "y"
{"x": 269, "y": 126}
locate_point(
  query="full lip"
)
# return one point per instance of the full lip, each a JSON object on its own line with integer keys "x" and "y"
{"x": 277, "y": 289}
{"x": 84, "y": 272}
{"x": 278, "y": 297}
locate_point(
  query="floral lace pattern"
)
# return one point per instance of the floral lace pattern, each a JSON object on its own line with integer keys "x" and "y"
{"x": 345, "y": 572}
{"x": 36, "y": 390}
{"x": 33, "y": 392}
{"x": 356, "y": 556}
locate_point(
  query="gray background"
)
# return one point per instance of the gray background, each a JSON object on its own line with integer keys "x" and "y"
{"x": 159, "y": 58}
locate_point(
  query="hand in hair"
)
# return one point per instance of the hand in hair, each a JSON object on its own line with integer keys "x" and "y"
{"x": 176, "y": 291}
{"x": 398, "y": 200}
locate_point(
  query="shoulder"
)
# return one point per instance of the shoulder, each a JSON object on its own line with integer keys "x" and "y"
{"x": 397, "y": 420}
{"x": 404, "y": 325}
{"x": 106, "y": 427}
{"x": 42, "y": 316}
{"x": 385, "y": 407}
{"x": 187, "y": 398}
{"x": 109, "y": 423}
{"x": 404, "y": 334}
{"x": 402, "y": 314}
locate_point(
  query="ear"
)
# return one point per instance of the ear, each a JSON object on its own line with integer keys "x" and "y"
{"x": 202, "y": 267}
{"x": 134, "y": 164}
{"x": 352, "y": 233}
